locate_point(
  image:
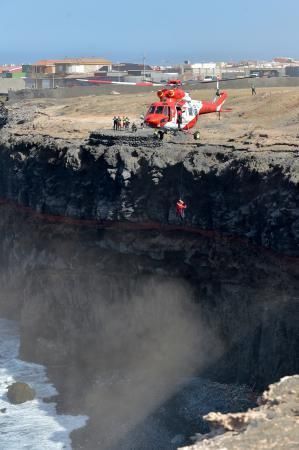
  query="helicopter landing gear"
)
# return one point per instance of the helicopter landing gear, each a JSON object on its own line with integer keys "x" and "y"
{"x": 159, "y": 134}
{"x": 196, "y": 135}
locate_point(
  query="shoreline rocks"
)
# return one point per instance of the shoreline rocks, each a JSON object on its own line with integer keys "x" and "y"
{"x": 19, "y": 392}
{"x": 274, "y": 424}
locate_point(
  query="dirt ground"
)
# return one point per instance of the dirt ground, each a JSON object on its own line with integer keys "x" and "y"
{"x": 270, "y": 117}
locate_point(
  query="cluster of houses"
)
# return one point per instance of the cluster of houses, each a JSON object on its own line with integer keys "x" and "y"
{"x": 66, "y": 72}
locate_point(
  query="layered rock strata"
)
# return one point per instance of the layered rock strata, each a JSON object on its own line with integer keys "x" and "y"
{"x": 237, "y": 247}
{"x": 247, "y": 194}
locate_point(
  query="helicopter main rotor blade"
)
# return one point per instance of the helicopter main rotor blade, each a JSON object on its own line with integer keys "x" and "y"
{"x": 216, "y": 81}
{"x": 125, "y": 83}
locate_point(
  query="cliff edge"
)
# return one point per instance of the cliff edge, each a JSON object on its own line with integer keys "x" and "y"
{"x": 274, "y": 424}
{"x": 113, "y": 178}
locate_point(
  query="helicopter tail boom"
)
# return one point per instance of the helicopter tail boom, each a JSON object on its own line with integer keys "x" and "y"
{"x": 215, "y": 106}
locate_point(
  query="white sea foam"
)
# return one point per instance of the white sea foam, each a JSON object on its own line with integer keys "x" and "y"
{"x": 34, "y": 425}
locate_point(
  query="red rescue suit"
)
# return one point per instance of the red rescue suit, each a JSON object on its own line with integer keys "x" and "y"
{"x": 180, "y": 208}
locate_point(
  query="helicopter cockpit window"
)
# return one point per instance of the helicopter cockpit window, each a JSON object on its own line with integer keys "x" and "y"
{"x": 151, "y": 109}
{"x": 159, "y": 109}
{"x": 166, "y": 111}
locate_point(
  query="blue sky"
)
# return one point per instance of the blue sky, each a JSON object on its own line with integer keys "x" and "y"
{"x": 165, "y": 31}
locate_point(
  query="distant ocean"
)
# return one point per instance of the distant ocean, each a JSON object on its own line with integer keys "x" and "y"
{"x": 33, "y": 425}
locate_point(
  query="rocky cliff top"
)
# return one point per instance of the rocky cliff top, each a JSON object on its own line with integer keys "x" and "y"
{"x": 274, "y": 424}
{"x": 270, "y": 117}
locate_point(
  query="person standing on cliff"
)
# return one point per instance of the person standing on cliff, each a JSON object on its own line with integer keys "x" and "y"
{"x": 179, "y": 118}
{"x": 114, "y": 123}
{"x": 118, "y": 123}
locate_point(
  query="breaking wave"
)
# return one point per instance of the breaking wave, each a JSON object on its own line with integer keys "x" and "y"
{"x": 33, "y": 425}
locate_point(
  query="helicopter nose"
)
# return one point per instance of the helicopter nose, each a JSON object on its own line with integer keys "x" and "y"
{"x": 154, "y": 120}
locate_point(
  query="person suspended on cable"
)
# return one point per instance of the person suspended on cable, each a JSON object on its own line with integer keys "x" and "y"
{"x": 180, "y": 209}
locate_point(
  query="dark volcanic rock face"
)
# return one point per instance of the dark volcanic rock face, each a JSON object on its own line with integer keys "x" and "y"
{"x": 126, "y": 316}
{"x": 254, "y": 195}
{"x": 234, "y": 199}
{"x": 66, "y": 280}
{"x": 105, "y": 279}
{"x": 3, "y": 115}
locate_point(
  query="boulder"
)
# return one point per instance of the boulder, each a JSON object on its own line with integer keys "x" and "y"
{"x": 18, "y": 393}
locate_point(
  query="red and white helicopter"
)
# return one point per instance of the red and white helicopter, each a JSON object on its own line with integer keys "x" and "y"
{"x": 175, "y": 110}
{"x": 174, "y": 102}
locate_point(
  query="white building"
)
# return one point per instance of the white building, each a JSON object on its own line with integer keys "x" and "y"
{"x": 70, "y": 66}
{"x": 202, "y": 70}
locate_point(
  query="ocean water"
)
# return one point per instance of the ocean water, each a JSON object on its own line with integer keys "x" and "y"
{"x": 34, "y": 425}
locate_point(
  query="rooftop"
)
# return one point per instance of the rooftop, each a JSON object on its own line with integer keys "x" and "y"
{"x": 53, "y": 62}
